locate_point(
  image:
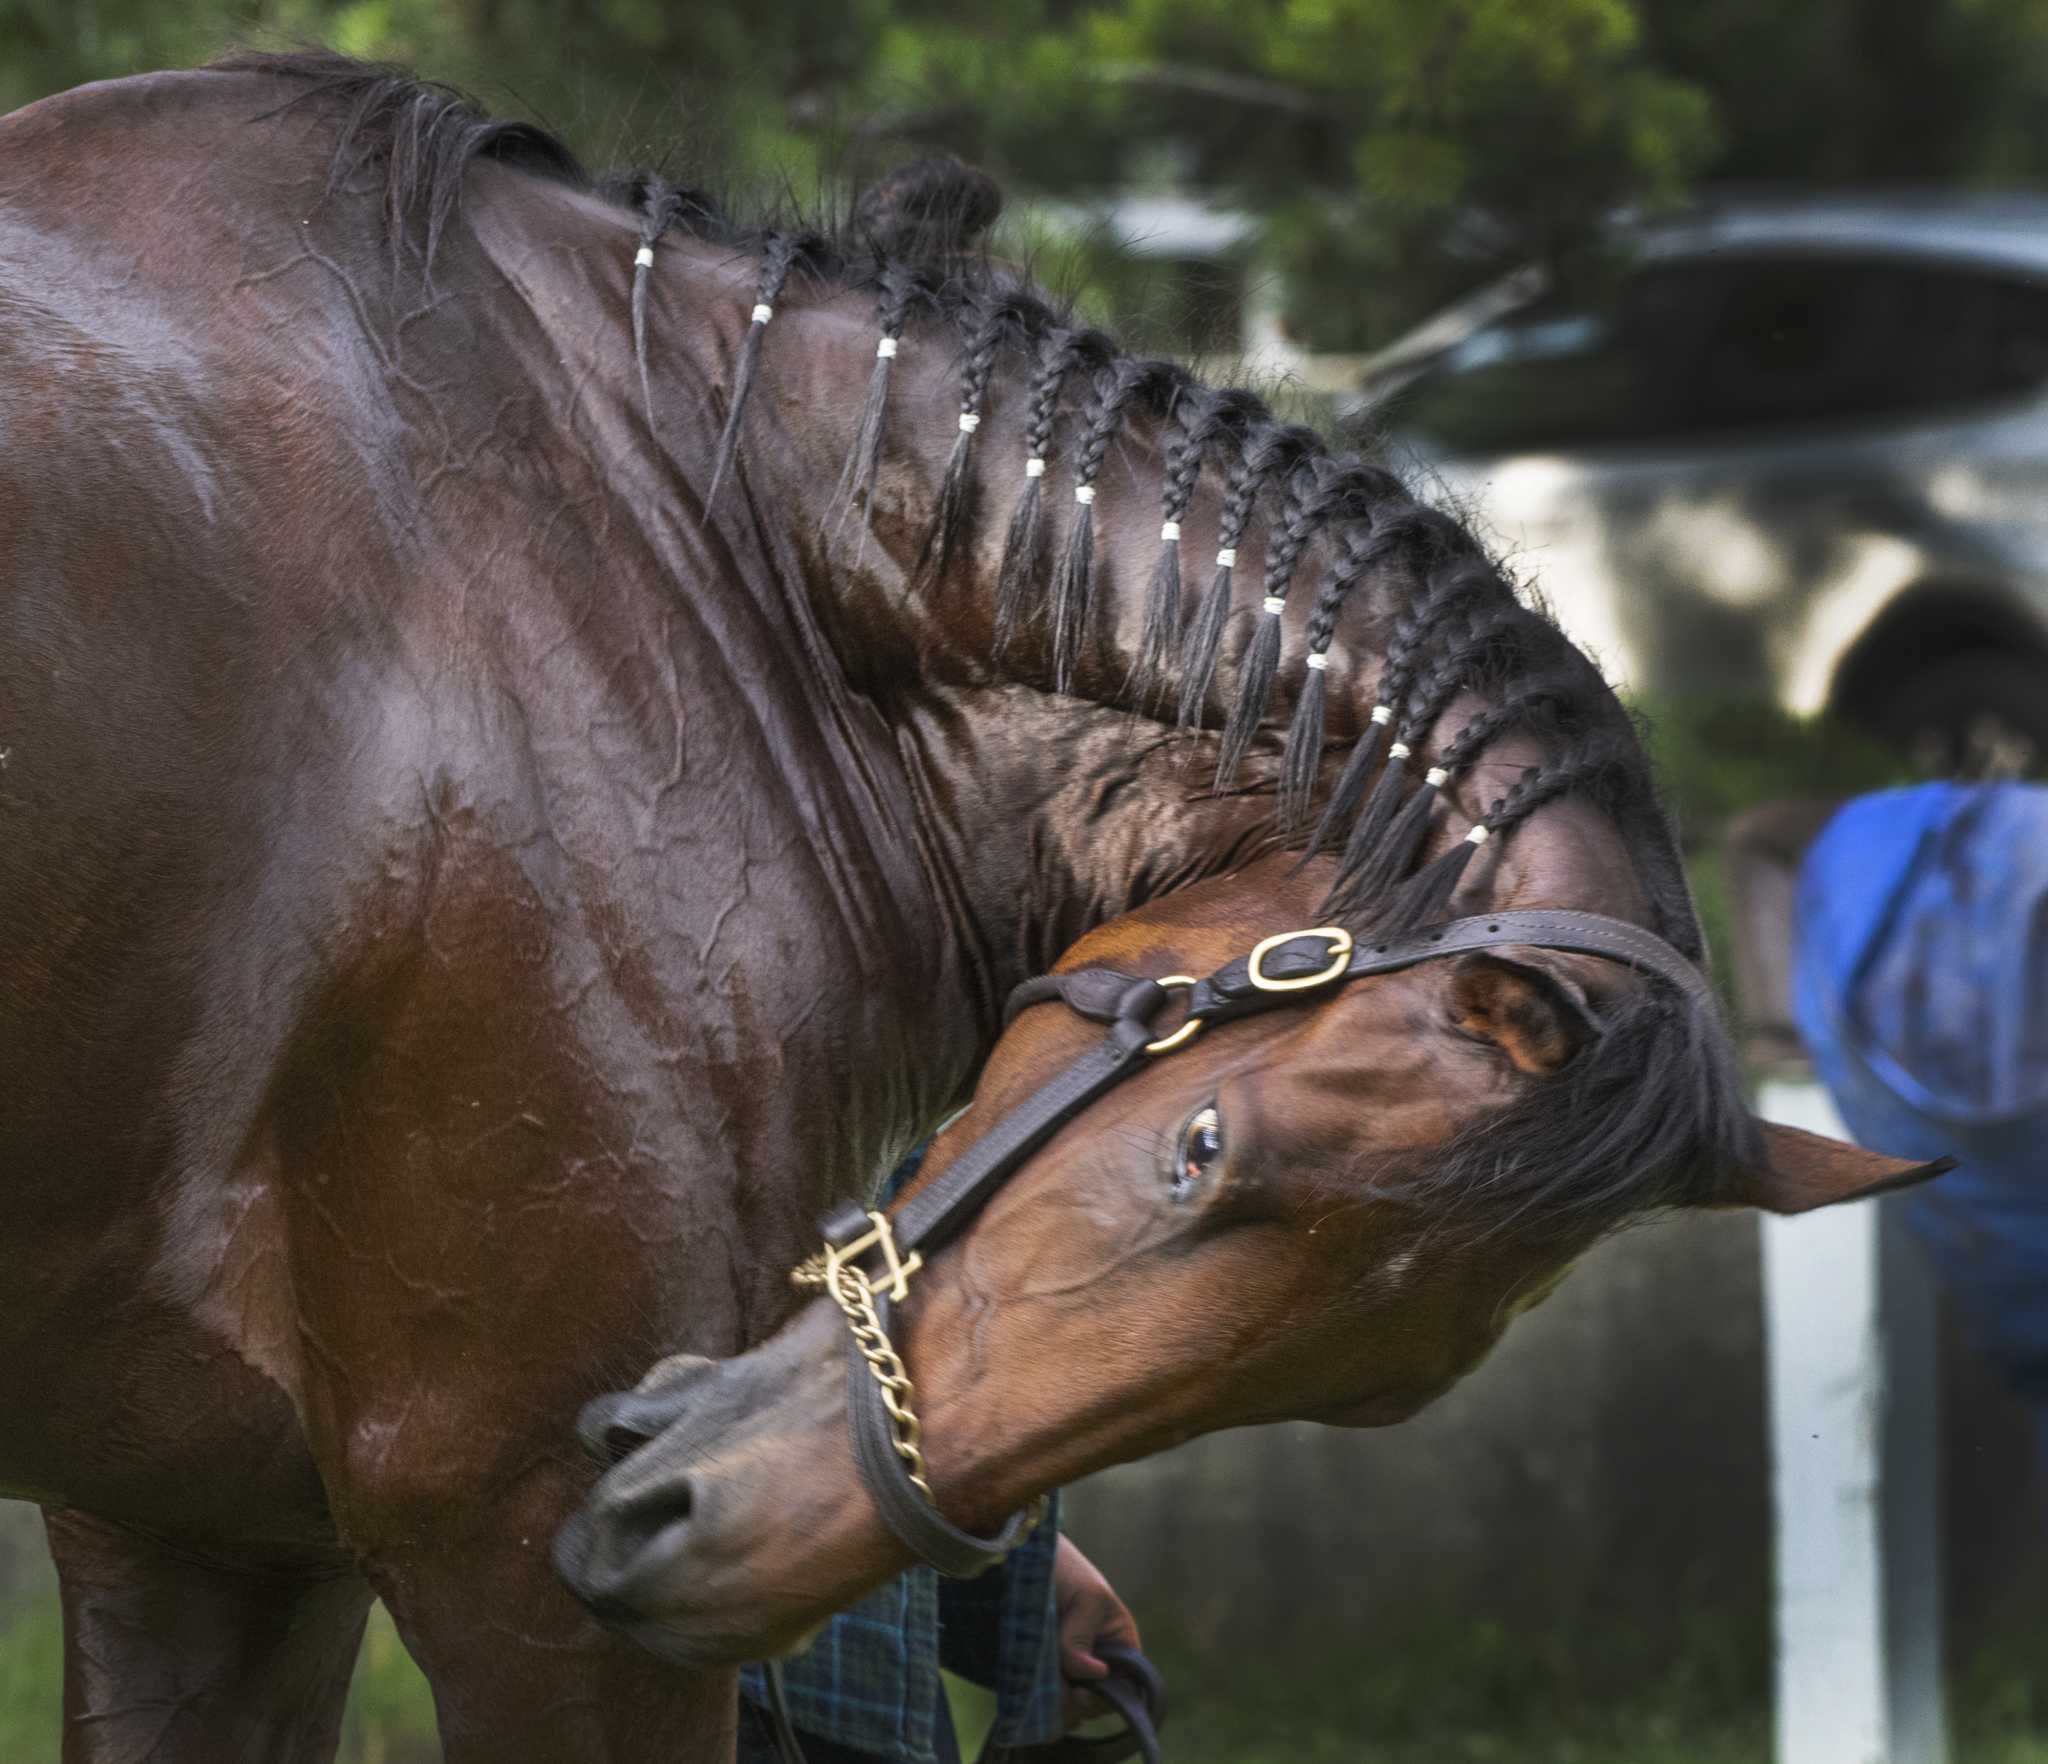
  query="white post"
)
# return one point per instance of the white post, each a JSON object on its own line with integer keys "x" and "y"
{"x": 1849, "y": 1330}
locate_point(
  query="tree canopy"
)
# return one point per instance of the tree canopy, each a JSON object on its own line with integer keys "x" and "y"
{"x": 1391, "y": 153}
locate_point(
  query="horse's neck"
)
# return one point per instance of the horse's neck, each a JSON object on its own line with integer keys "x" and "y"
{"x": 1044, "y": 812}
{"x": 1049, "y": 817}
{"x": 1038, "y": 813}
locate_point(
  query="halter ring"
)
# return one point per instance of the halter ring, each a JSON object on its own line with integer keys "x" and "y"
{"x": 1167, "y": 1044}
{"x": 1340, "y": 958}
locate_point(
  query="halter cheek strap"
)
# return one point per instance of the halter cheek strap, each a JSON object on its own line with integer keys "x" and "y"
{"x": 869, "y": 1257}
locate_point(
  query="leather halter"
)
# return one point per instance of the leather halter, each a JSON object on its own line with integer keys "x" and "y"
{"x": 881, "y": 1252}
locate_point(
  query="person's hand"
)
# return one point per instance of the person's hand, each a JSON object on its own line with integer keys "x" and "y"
{"x": 1089, "y": 1612}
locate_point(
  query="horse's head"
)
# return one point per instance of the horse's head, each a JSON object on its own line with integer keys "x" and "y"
{"x": 1329, "y": 1209}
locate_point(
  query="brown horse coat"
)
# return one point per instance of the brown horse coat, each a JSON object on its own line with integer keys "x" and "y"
{"x": 465, "y": 908}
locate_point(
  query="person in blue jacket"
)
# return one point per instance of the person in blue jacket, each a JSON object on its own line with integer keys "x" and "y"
{"x": 1920, "y": 988}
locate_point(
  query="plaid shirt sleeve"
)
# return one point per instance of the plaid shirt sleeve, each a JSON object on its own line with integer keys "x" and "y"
{"x": 871, "y": 1679}
{"x": 1002, "y": 1631}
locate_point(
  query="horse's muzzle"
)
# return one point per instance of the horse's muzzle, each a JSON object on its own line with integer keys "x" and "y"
{"x": 729, "y": 1519}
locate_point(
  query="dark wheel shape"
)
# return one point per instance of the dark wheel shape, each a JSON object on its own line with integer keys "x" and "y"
{"x": 1981, "y": 715}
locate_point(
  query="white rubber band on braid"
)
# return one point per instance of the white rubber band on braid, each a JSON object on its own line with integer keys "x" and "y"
{"x": 1318, "y": 660}
{"x": 1169, "y": 532}
{"x": 969, "y": 422}
{"x": 1084, "y": 494}
{"x": 1398, "y": 751}
{"x": 1034, "y": 467}
{"x": 763, "y": 313}
{"x": 1226, "y": 559}
{"x": 644, "y": 257}
{"x": 1274, "y": 605}
{"x": 1382, "y": 713}
{"x": 885, "y": 350}
{"x": 1479, "y": 835}
{"x": 1435, "y": 777}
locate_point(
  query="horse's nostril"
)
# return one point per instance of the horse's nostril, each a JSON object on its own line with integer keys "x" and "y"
{"x": 617, "y": 1553}
{"x": 613, "y": 1427}
{"x": 623, "y": 1437}
{"x": 627, "y": 1527}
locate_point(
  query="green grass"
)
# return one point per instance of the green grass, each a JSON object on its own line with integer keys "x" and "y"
{"x": 1473, "y": 1692}
{"x": 31, "y": 1683}
{"x": 1451, "y": 1692}
{"x": 1464, "y": 1692}
{"x": 390, "y": 1716}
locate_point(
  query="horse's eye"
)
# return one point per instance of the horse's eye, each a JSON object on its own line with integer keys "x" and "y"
{"x": 1201, "y": 1145}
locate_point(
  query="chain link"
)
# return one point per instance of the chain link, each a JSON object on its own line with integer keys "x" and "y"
{"x": 849, "y": 1290}
{"x": 835, "y": 1269}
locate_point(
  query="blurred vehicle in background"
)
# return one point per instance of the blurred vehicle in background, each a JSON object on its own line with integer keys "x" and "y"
{"x": 1797, "y": 446}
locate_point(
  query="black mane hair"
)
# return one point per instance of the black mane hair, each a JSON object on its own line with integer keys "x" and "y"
{"x": 1645, "y": 1115}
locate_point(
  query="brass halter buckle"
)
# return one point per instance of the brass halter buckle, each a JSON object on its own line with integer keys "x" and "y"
{"x": 1340, "y": 959}
{"x": 896, "y": 1269}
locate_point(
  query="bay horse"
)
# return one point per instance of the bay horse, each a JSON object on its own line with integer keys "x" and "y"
{"x": 539, "y": 724}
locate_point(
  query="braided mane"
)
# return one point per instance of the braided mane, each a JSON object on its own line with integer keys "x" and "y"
{"x": 1460, "y": 631}
{"x": 1651, "y": 1114}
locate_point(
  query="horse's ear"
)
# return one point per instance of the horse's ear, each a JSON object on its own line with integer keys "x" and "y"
{"x": 1803, "y": 1170}
{"x": 931, "y": 208}
{"x": 1537, "y": 1017}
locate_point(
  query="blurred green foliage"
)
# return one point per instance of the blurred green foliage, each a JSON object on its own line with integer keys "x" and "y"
{"x": 1717, "y": 754}
{"x": 1390, "y": 152}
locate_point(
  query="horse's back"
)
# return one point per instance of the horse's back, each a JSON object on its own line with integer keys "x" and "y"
{"x": 170, "y": 580}
{"x": 124, "y": 570}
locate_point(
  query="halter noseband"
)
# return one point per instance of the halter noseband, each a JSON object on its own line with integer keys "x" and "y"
{"x": 869, "y": 1257}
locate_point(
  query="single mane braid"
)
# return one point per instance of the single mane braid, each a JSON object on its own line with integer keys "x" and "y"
{"x": 1073, "y": 582}
{"x": 992, "y": 325}
{"x": 1060, "y": 354}
{"x": 1449, "y": 629}
{"x": 1263, "y": 451}
{"x": 1314, "y": 488}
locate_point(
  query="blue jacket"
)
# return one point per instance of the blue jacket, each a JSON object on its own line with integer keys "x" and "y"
{"x": 1921, "y": 989}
